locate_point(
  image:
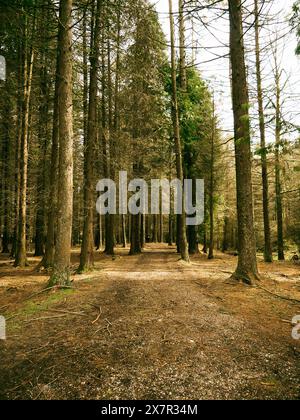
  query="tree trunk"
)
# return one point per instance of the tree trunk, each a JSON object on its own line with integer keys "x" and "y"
{"x": 106, "y": 143}
{"x": 182, "y": 53}
{"x": 170, "y": 235}
{"x": 87, "y": 248}
{"x": 161, "y": 228}
{"x": 61, "y": 273}
{"x": 28, "y": 60}
{"x": 5, "y": 179}
{"x": 136, "y": 247}
{"x": 178, "y": 149}
{"x": 110, "y": 233}
{"x": 143, "y": 230}
{"x": 48, "y": 260}
{"x": 154, "y": 229}
{"x": 43, "y": 144}
{"x": 247, "y": 270}
{"x": 211, "y": 189}
{"x": 225, "y": 235}
{"x": 18, "y": 152}
{"x": 124, "y": 236}
{"x": 264, "y": 162}
{"x": 279, "y": 208}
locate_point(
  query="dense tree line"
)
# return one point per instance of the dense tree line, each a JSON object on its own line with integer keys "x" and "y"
{"x": 92, "y": 90}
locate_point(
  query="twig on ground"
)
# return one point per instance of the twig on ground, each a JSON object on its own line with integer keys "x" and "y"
{"x": 43, "y": 318}
{"x": 99, "y": 315}
{"x": 47, "y": 290}
{"x": 66, "y": 312}
{"x": 107, "y": 326}
{"x": 108, "y": 323}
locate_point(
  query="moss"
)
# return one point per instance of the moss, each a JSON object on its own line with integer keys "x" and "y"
{"x": 33, "y": 308}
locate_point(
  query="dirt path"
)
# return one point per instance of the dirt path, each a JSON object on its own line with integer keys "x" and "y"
{"x": 151, "y": 327}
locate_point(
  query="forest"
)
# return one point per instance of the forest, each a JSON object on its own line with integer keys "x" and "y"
{"x": 99, "y": 301}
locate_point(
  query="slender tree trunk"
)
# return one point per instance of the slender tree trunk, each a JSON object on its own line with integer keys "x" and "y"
{"x": 18, "y": 151}
{"x": 161, "y": 228}
{"x": 182, "y": 53}
{"x": 247, "y": 270}
{"x": 61, "y": 273}
{"x": 211, "y": 189}
{"x": 171, "y": 216}
{"x": 124, "y": 236}
{"x": 106, "y": 139}
{"x": 85, "y": 77}
{"x": 136, "y": 247}
{"x": 48, "y": 260}
{"x": 143, "y": 230}
{"x": 6, "y": 172}
{"x": 264, "y": 161}
{"x": 225, "y": 234}
{"x": 154, "y": 229}
{"x": 87, "y": 251}
{"x": 43, "y": 140}
{"x": 178, "y": 149}
{"x": 279, "y": 207}
{"x": 192, "y": 230}
{"x": 204, "y": 249}
{"x": 117, "y": 131}
{"x": 110, "y": 233}
{"x": 28, "y": 60}
{"x": 170, "y": 237}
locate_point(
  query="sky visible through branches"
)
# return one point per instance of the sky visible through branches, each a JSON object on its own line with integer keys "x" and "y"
{"x": 207, "y": 47}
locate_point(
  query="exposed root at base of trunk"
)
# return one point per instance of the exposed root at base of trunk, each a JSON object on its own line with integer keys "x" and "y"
{"x": 247, "y": 279}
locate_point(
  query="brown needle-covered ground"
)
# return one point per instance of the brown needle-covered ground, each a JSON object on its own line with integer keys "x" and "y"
{"x": 150, "y": 327}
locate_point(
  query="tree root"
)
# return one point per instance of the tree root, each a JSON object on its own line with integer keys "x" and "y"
{"x": 278, "y": 296}
{"x": 248, "y": 280}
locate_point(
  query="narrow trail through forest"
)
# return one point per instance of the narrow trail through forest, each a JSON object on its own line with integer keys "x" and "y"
{"x": 150, "y": 327}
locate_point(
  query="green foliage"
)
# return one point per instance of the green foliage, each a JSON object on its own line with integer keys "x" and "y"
{"x": 196, "y": 109}
{"x": 34, "y": 308}
{"x": 143, "y": 100}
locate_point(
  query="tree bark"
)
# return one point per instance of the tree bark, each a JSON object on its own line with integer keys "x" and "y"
{"x": 110, "y": 232}
{"x": 178, "y": 148}
{"x": 48, "y": 259}
{"x": 264, "y": 162}
{"x": 28, "y": 60}
{"x": 247, "y": 270}
{"x": 211, "y": 189}
{"x": 5, "y": 155}
{"x": 136, "y": 247}
{"x": 61, "y": 272}
{"x": 43, "y": 142}
{"x": 87, "y": 248}
{"x": 18, "y": 151}
{"x": 182, "y": 53}
{"x": 279, "y": 207}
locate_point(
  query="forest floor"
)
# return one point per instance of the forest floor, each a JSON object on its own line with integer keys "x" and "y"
{"x": 150, "y": 327}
